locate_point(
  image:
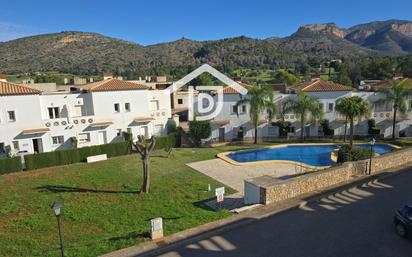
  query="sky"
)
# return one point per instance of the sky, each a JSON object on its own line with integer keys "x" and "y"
{"x": 149, "y": 22}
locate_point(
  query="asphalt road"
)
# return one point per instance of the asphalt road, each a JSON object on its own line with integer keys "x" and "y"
{"x": 354, "y": 222}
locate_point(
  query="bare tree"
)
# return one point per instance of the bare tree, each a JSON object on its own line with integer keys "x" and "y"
{"x": 144, "y": 149}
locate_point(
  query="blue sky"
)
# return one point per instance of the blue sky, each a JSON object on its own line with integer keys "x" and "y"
{"x": 149, "y": 22}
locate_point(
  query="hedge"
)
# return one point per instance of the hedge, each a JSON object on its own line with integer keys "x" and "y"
{"x": 69, "y": 156}
{"x": 170, "y": 140}
{"x": 9, "y": 165}
{"x": 346, "y": 154}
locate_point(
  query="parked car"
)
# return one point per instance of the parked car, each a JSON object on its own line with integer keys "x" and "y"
{"x": 403, "y": 221}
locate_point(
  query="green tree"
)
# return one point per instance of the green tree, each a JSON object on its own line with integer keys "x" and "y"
{"x": 286, "y": 77}
{"x": 260, "y": 100}
{"x": 397, "y": 95}
{"x": 304, "y": 105}
{"x": 352, "y": 107}
{"x": 199, "y": 130}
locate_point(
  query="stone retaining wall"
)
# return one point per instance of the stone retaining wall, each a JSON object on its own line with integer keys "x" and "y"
{"x": 282, "y": 190}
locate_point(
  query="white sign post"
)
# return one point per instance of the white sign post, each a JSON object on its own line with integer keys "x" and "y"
{"x": 220, "y": 195}
{"x": 156, "y": 231}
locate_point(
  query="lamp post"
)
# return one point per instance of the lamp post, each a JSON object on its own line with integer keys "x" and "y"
{"x": 57, "y": 211}
{"x": 372, "y": 143}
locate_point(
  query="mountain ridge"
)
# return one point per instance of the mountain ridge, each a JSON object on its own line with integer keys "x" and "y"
{"x": 90, "y": 52}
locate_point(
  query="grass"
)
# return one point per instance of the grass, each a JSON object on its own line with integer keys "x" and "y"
{"x": 102, "y": 210}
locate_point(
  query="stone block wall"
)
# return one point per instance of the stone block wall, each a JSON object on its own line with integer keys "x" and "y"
{"x": 282, "y": 190}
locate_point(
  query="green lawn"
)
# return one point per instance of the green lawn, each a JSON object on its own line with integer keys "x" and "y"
{"x": 102, "y": 211}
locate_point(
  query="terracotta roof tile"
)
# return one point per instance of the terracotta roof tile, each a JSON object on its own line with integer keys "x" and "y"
{"x": 7, "y": 88}
{"x": 386, "y": 83}
{"x": 231, "y": 90}
{"x": 320, "y": 86}
{"x": 112, "y": 85}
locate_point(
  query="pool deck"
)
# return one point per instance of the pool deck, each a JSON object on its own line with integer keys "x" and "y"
{"x": 234, "y": 176}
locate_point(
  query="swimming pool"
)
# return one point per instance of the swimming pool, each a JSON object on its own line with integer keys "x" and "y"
{"x": 317, "y": 155}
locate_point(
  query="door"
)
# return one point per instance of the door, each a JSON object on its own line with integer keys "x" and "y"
{"x": 102, "y": 138}
{"x": 307, "y": 131}
{"x": 144, "y": 131}
{"x": 221, "y": 134}
{"x": 37, "y": 145}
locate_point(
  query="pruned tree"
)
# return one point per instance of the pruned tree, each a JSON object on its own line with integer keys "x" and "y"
{"x": 144, "y": 149}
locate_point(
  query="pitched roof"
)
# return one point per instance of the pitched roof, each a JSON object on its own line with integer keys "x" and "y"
{"x": 7, "y": 88}
{"x": 231, "y": 90}
{"x": 112, "y": 85}
{"x": 320, "y": 86}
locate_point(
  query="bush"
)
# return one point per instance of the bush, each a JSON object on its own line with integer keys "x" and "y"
{"x": 199, "y": 130}
{"x": 327, "y": 131}
{"x": 9, "y": 165}
{"x": 69, "y": 156}
{"x": 346, "y": 153}
{"x": 171, "y": 126}
{"x": 74, "y": 142}
{"x": 166, "y": 142}
{"x": 284, "y": 127}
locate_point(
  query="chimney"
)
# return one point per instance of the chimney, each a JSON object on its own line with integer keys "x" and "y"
{"x": 107, "y": 75}
{"x": 3, "y": 78}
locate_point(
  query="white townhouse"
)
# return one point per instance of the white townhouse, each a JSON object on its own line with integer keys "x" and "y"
{"x": 226, "y": 125}
{"x": 96, "y": 113}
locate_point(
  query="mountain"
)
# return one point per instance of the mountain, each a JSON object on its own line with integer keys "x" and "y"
{"x": 392, "y": 36}
{"x": 92, "y": 53}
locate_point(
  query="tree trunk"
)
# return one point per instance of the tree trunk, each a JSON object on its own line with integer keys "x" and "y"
{"x": 256, "y": 133}
{"x": 146, "y": 175}
{"x": 395, "y": 109}
{"x": 351, "y": 133}
{"x": 346, "y": 129}
{"x": 302, "y": 126}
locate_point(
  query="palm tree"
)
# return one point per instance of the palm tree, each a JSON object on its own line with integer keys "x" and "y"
{"x": 340, "y": 107}
{"x": 304, "y": 105}
{"x": 398, "y": 93}
{"x": 260, "y": 100}
{"x": 352, "y": 107}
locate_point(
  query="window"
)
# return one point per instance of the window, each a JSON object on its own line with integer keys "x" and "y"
{"x": 12, "y": 116}
{"x": 54, "y": 112}
{"x": 2, "y": 150}
{"x": 179, "y": 101}
{"x": 243, "y": 108}
{"x": 117, "y": 107}
{"x": 16, "y": 145}
{"x": 234, "y": 109}
{"x": 58, "y": 140}
{"x": 291, "y": 130}
{"x": 84, "y": 137}
{"x": 119, "y": 132}
{"x": 330, "y": 107}
{"x": 127, "y": 107}
{"x": 154, "y": 105}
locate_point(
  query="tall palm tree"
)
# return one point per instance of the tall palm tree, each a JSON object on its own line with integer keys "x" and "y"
{"x": 260, "y": 100}
{"x": 397, "y": 95}
{"x": 341, "y": 105}
{"x": 352, "y": 107}
{"x": 304, "y": 105}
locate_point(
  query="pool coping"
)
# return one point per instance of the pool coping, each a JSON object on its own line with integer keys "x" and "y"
{"x": 333, "y": 157}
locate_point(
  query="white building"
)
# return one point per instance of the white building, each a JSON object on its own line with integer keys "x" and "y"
{"x": 95, "y": 113}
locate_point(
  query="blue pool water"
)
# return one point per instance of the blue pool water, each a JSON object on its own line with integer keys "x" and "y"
{"x": 315, "y": 155}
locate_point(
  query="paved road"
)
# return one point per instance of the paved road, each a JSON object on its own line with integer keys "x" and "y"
{"x": 353, "y": 222}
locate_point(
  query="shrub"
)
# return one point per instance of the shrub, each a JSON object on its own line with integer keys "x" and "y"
{"x": 346, "y": 153}
{"x": 171, "y": 126}
{"x": 199, "y": 130}
{"x": 284, "y": 127}
{"x": 179, "y": 132}
{"x": 9, "y": 165}
{"x": 74, "y": 142}
{"x": 327, "y": 131}
{"x": 166, "y": 142}
{"x": 74, "y": 155}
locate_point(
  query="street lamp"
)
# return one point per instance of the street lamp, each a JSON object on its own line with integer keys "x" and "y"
{"x": 57, "y": 211}
{"x": 372, "y": 143}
